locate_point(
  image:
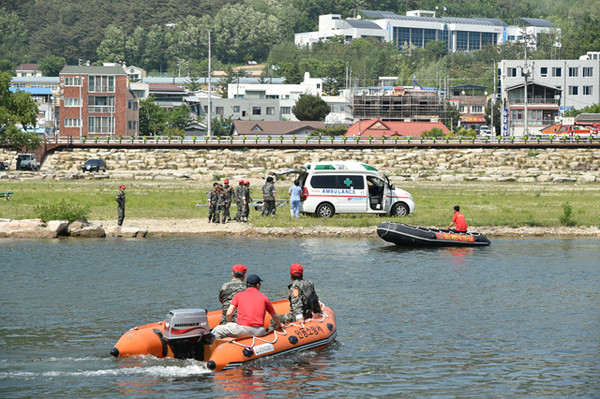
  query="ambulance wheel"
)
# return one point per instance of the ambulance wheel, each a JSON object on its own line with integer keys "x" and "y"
{"x": 399, "y": 210}
{"x": 325, "y": 210}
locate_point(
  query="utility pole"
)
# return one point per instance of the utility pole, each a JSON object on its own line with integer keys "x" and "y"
{"x": 525, "y": 75}
{"x": 209, "y": 123}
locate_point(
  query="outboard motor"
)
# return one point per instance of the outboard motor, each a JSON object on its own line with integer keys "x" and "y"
{"x": 184, "y": 330}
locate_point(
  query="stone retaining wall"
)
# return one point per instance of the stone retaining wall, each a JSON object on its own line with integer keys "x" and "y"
{"x": 524, "y": 165}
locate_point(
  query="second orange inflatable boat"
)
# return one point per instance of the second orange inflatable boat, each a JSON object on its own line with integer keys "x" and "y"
{"x": 185, "y": 334}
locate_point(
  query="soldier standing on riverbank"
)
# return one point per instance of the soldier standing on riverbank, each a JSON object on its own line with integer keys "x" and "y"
{"x": 121, "y": 205}
{"x": 220, "y": 205}
{"x": 228, "y": 193}
{"x": 247, "y": 199}
{"x": 239, "y": 200}
{"x": 268, "y": 192}
{"x": 212, "y": 202}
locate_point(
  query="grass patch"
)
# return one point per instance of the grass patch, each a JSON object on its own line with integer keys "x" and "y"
{"x": 63, "y": 211}
{"x": 483, "y": 203}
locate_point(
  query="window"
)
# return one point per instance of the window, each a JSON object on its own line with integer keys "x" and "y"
{"x": 573, "y": 72}
{"x": 338, "y": 181}
{"x": 270, "y": 110}
{"x": 236, "y": 108}
{"x": 100, "y": 104}
{"x": 135, "y": 125}
{"x": 129, "y": 125}
{"x": 588, "y": 72}
{"x": 318, "y": 85}
{"x": 573, "y": 90}
{"x": 73, "y": 81}
{"x": 256, "y": 111}
{"x": 286, "y": 110}
{"x": 556, "y": 72}
{"x": 101, "y": 84}
{"x": 544, "y": 72}
{"x": 219, "y": 110}
{"x": 586, "y": 90}
{"x": 130, "y": 105}
{"x": 72, "y": 102}
{"x": 477, "y": 109}
{"x": 511, "y": 72}
{"x": 72, "y": 122}
{"x": 101, "y": 124}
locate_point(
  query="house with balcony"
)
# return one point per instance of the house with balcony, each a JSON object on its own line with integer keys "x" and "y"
{"x": 536, "y": 92}
{"x": 97, "y": 101}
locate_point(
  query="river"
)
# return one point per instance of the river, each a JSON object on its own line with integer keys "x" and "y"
{"x": 519, "y": 318}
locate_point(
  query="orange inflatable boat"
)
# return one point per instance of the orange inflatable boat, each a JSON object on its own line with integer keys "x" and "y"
{"x": 185, "y": 334}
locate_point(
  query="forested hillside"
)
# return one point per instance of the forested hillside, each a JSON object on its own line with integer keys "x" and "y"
{"x": 163, "y": 35}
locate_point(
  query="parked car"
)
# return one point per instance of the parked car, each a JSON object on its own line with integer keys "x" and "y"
{"x": 485, "y": 131}
{"x": 94, "y": 165}
{"x": 27, "y": 162}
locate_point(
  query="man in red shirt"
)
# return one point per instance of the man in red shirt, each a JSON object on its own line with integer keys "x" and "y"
{"x": 251, "y": 307}
{"x": 459, "y": 220}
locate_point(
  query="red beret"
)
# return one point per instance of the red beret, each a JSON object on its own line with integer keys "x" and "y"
{"x": 296, "y": 270}
{"x": 239, "y": 268}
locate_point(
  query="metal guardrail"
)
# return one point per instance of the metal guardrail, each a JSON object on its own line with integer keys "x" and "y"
{"x": 319, "y": 142}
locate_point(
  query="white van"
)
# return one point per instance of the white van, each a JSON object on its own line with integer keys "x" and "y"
{"x": 349, "y": 187}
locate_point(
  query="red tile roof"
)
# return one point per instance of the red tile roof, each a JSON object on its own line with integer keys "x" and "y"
{"x": 379, "y": 128}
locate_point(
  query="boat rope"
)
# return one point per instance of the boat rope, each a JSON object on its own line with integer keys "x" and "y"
{"x": 283, "y": 331}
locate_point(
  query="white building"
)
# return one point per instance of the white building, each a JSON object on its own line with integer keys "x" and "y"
{"x": 552, "y": 87}
{"x": 287, "y": 94}
{"x": 420, "y": 27}
{"x": 332, "y": 25}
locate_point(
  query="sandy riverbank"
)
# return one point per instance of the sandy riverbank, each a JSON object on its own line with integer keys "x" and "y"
{"x": 166, "y": 227}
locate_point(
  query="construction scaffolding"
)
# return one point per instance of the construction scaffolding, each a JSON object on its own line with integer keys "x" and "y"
{"x": 413, "y": 105}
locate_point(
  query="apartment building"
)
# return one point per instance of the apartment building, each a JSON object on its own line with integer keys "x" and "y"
{"x": 97, "y": 101}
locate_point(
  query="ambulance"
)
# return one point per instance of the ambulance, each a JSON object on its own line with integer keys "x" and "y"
{"x": 348, "y": 187}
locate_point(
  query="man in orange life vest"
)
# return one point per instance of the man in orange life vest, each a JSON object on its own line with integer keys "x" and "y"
{"x": 459, "y": 220}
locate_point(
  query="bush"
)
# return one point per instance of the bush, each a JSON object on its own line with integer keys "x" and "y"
{"x": 565, "y": 219}
{"x": 63, "y": 211}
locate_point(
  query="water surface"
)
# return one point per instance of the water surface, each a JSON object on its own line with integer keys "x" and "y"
{"x": 519, "y": 318}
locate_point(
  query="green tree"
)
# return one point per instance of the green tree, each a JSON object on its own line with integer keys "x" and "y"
{"x": 153, "y": 118}
{"x": 310, "y": 108}
{"x": 13, "y": 36}
{"x": 591, "y": 109}
{"x": 51, "y": 65}
{"x": 337, "y": 130}
{"x": 17, "y": 109}
{"x": 113, "y": 47}
{"x": 180, "y": 117}
{"x": 221, "y": 126}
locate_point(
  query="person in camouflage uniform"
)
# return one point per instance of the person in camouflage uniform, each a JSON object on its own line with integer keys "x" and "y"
{"x": 247, "y": 199}
{"x": 221, "y": 201}
{"x": 120, "y": 205}
{"x": 230, "y": 288}
{"x": 268, "y": 192}
{"x": 302, "y": 296}
{"x": 212, "y": 202}
{"x": 239, "y": 200}
{"x": 228, "y": 193}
